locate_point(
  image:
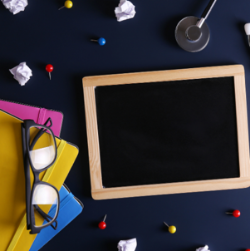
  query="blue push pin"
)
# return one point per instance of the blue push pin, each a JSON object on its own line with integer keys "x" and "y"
{"x": 100, "y": 41}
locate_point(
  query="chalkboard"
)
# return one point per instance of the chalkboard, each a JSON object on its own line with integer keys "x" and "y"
{"x": 157, "y": 133}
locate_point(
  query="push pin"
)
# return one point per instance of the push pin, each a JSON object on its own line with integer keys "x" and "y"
{"x": 68, "y": 4}
{"x": 102, "y": 225}
{"x": 247, "y": 249}
{"x": 100, "y": 41}
{"x": 247, "y": 30}
{"x": 49, "y": 68}
{"x": 171, "y": 229}
{"x": 235, "y": 213}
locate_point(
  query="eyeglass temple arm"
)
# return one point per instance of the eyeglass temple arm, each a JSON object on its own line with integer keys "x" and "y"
{"x": 46, "y": 216}
{"x": 48, "y": 120}
{"x": 40, "y": 133}
{"x": 27, "y": 179}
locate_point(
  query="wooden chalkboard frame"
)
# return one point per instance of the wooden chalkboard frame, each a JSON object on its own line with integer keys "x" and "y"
{"x": 89, "y": 84}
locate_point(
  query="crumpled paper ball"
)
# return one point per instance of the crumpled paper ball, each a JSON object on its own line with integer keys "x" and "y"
{"x": 129, "y": 245}
{"x": 203, "y": 249}
{"x": 22, "y": 73}
{"x": 15, "y": 6}
{"x": 125, "y": 10}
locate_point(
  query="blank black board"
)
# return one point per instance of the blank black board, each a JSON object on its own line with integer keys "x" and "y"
{"x": 164, "y": 132}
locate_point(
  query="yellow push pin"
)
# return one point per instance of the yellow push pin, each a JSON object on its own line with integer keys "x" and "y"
{"x": 68, "y": 4}
{"x": 171, "y": 229}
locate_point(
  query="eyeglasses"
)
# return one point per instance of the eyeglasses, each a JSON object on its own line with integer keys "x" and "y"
{"x": 39, "y": 153}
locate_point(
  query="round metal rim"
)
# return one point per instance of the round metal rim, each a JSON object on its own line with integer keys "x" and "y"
{"x": 187, "y": 45}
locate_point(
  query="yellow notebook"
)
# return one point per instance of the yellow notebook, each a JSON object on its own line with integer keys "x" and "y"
{"x": 13, "y": 231}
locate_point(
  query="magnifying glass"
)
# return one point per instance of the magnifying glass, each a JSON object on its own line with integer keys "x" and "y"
{"x": 192, "y": 33}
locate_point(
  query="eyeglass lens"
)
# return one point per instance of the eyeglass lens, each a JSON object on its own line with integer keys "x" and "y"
{"x": 44, "y": 197}
{"x": 44, "y": 150}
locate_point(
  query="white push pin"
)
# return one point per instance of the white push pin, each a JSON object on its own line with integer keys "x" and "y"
{"x": 247, "y": 30}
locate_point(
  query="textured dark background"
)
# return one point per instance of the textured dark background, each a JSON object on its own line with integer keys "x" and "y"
{"x": 42, "y": 34}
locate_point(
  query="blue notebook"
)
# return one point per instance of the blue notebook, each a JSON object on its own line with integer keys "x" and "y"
{"x": 70, "y": 207}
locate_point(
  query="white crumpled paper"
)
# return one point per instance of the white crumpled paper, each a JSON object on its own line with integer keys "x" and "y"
{"x": 125, "y": 10}
{"x": 22, "y": 73}
{"x": 15, "y": 6}
{"x": 203, "y": 249}
{"x": 129, "y": 245}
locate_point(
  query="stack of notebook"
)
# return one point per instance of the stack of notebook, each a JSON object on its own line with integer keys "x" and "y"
{"x": 13, "y": 227}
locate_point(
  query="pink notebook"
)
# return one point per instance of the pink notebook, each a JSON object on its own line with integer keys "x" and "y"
{"x": 39, "y": 115}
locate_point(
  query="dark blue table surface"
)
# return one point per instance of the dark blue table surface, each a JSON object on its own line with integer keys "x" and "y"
{"x": 42, "y": 34}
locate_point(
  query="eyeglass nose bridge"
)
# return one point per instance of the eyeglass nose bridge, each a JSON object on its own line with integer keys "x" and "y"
{"x": 36, "y": 174}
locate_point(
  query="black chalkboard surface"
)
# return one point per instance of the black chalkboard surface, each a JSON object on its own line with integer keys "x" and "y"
{"x": 167, "y": 132}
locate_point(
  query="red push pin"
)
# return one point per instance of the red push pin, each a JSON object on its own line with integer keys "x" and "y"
{"x": 235, "y": 213}
{"x": 102, "y": 225}
{"x": 49, "y": 68}
{"x": 247, "y": 249}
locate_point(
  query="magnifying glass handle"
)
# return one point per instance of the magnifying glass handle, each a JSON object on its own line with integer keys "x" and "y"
{"x": 206, "y": 13}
